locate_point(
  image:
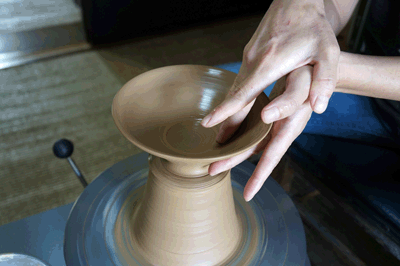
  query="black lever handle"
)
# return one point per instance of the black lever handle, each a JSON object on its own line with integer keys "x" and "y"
{"x": 63, "y": 149}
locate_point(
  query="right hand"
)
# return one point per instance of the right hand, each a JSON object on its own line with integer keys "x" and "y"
{"x": 283, "y": 133}
{"x": 292, "y": 34}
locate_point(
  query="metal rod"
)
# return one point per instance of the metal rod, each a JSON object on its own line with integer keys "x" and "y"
{"x": 77, "y": 172}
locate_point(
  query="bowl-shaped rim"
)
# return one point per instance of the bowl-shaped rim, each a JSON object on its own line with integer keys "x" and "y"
{"x": 262, "y": 99}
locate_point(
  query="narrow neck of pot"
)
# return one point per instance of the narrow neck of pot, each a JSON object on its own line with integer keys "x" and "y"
{"x": 187, "y": 168}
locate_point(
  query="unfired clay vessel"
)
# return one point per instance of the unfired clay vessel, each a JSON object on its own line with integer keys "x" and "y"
{"x": 185, "y": 217}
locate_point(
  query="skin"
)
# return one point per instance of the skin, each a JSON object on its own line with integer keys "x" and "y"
{"x": 374, "y": 76}
{"x": 353, "y": 72}
{"x": 293, "y": 35}
{"x": 284, "y": 131}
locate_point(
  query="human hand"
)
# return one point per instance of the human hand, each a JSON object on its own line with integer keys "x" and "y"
{"x": 293, "y": 33}
{"x": 293, "y": 119}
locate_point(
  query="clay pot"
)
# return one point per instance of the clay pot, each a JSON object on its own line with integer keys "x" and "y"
{"x": 186, "y": 216}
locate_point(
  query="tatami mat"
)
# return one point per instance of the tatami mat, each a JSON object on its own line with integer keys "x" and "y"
{"x": 66, "y": 97}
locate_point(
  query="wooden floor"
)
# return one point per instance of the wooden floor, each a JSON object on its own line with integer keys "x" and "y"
{"x": 26, "y": 15}
{"x": 70, "y": 95}
{"x": 334, "y": 235}
{"x": 37, "y": 44}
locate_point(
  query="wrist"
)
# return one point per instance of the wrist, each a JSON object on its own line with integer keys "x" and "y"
{"x": 345, "y": 60}
{"x": 339, "y": 76}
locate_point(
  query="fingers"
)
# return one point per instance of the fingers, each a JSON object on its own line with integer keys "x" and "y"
{"x": 324, "y": 79}
{"x": 224, "y": 165}
{"x": 240, "y": 95}
{"x": 284, "y": 133}
{"x": 270, "y": 158}
{"x": 249, "y": 84}
{"x": 230, "y": 125}
{"x": 295, "y": 94}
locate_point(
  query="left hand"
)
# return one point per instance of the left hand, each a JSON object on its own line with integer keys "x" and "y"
{"x": 292, "y": 120}
{"x": 292, "y": 34}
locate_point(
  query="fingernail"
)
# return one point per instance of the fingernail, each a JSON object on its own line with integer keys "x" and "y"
{"x": 213, "y": 173}
{"x": 320, "y": 104}
{"x": 206, "y": 120}
{"x": 249, "y": 198}
{"x": 271, "y": 115}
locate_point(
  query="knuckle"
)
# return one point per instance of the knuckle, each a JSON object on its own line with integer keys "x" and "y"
{"x": 262, "y": 54}
{"x": 268, "y": 52}
{"x": 219, "y": 109}
{"x": 281, "y": 111}
{"x": 247, "y": 56}
{"x": 292, "y": 103}
{"x": 247, "y": 48}
{"x": 249, "y": 53}
{"x": 289, "y": 106}
{"x": 327, "y": 93}
{"x": 326, "y": 87}
{"x": 332, "y": 51}
{"x": 293, "y": 76}
{"x": 237, "y": 94}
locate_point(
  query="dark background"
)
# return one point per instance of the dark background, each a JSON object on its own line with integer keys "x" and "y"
{"x": 111, "y": 21}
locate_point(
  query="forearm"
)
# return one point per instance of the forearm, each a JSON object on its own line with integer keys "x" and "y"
{"x": 374, "y": 76}
{"x": 338, "y": 13}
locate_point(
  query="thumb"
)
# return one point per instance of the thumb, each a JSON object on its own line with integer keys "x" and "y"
{"x": 246, "y": 87}
{"x": 323, "y": 85}
{"x": 294, "y": 95}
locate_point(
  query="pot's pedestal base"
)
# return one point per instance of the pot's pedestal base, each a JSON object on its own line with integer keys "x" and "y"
{"x": 200, "y": 221}
{"x": 242, "y": 254}
{"x": 182, "y": 220}
{"x": 98, "y": 231}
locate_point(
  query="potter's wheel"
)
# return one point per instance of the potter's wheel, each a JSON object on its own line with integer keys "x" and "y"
{"x": 90, "y": 236}
{"x": 168, "y": 210}
{"x": 15, "y": 259}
